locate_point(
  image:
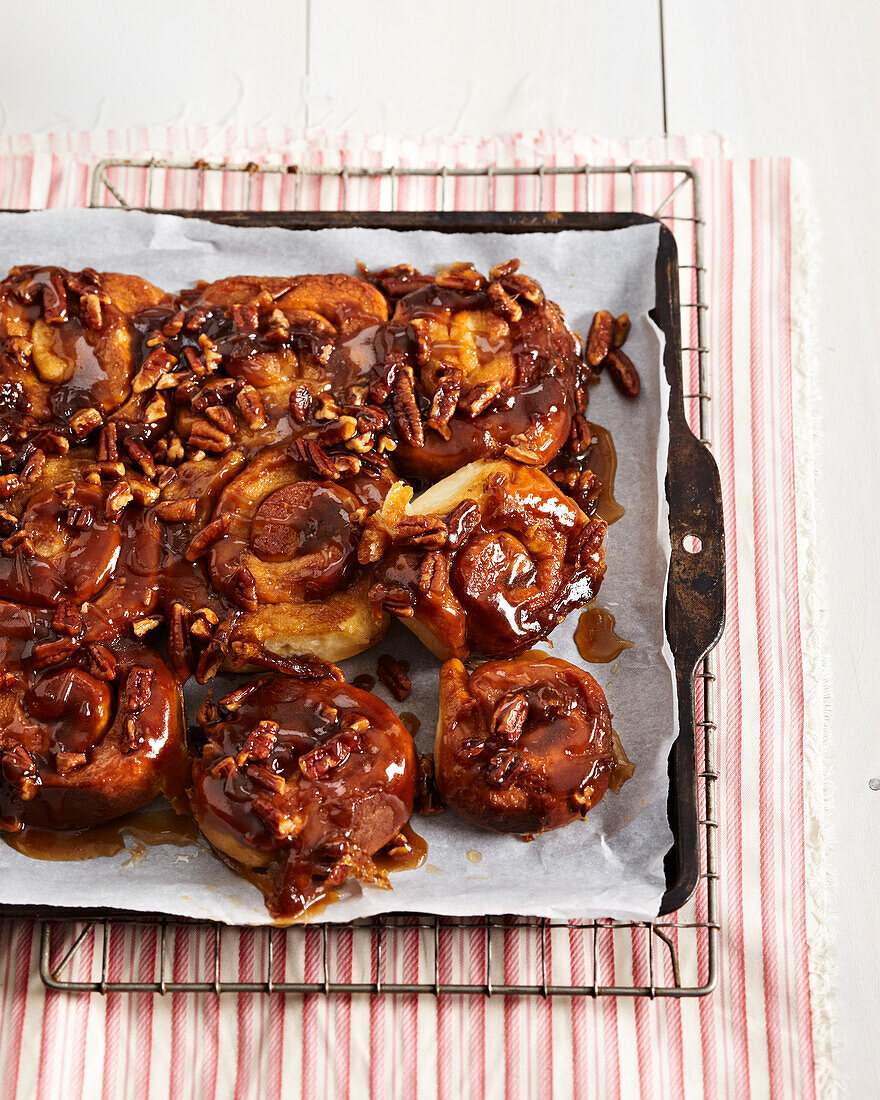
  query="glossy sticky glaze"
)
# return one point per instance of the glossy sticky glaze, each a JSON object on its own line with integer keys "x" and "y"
{"x": 54, "y": 362}
{"x": 66, "y": 548}
{"x": 533, "y": 360}
{"x": 118, "y": 706}
{"x": 325, "y": 821}
{"x": 530, "y": 557}
{"x": 542, "y": 772}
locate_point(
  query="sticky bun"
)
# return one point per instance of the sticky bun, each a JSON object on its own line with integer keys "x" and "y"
{"x": 486, "y": 561}
{"x": 473, "y": 368}
{"x": 524, "y": 745}
{"x": 81, "y": 532}
{"x": 273, "y": 345}
{"x": 88, "y": 732}
{"x": 70, "y": 347}
{"x": 301, "y": 783}
{"x": 276, "y": 568}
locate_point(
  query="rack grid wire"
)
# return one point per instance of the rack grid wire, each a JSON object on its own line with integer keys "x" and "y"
{"x": 672, "y": 956}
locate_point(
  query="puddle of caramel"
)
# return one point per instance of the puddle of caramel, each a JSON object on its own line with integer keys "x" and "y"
{"x": 623, "y": 766}
{"x": 411, "y": 722}
{"x": 407, "y": 861}
{"x": 595, "y": 638}
{"x": 474, "y": 856}
{"x": 602, "y": 460}
{"x": 146, "y": 828}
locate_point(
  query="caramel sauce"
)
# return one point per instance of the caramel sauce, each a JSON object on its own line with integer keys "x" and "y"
{"x": 595, "y": 638}
{"x": 623, "y": 766}
{"x": 602, "y": 460}
{"x": 146, "y": 828}
{"x": 474, "y": 856}
{"x": 412, "y": 723}
{"x": 404, "y": 861}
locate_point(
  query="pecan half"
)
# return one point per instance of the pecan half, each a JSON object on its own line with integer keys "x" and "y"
{"x": 300, "y": 403}
{"x": 580, "y": 438}
{"x": 244, "y": 589}
{"x": 208, "y": 437}
{"x": 407, "y": 419}
{"x": 394, "y": 676}
{"x": 623, "y": 372}
{"x": 259, "y": 742}
{"x": 445, "y": 400}
{"x": 19, "y": 543}
{"x": 119, "y": 497}
{"x": 202, "y": 542}
{"x": 34, "y": 466}
{"x": 328, "y": 755}
{"x": 9, "y": 485}
{"x": 268, "y": 780}
{"x": 504, "y": 304}
{"x": 51, "y": 653}
{"x": 460, "y": 522}
{"x": 433, "y": 572}
{"x": 177, "y": 511}
{"x": 523, "y": 287}
{"x": 460, "y": 277}
{"x": 503, "y": 767}
{"x": 394, "y": 599}
{"x": 478, "y": 398}
{"x": 67, "y": 619}
{"x": 510, "y": 717}
{"x": 395, "y": 282}
{"x": 250, "y": 405}
{"x": 19, "y": 769}
{"x": 509, "y": 267}
{"x": 599, "y": 338}
{"x": 222, "y": 418}
{"x": 426, "y": 531}
{"x": 622, "y": 325}
{"x": 139, "y": 454}
{"x": 67, "y": 762}
{"x": 157, "y": 363}
{"x": 102, "y": 663}
{"x": 279, "y": 824}
{"x": 85, "y": 421}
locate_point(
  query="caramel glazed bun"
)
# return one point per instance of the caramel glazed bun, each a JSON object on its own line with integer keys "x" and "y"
{"x": 301, "y": 783}
{"x": 274, "y": 575}
{"x": 486, "y": 561}
{"x": 524, "y": 745}
{"x": 88, "y": 732}
{"x": 473, "y": 368}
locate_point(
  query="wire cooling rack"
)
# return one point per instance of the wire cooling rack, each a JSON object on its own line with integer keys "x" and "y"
{"x": 673, "y": 956}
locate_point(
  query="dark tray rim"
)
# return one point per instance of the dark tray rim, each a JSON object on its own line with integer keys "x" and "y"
{"x": 695, "y": 604}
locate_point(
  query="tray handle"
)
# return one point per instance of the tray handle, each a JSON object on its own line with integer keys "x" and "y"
{"x": 696, "y": 596}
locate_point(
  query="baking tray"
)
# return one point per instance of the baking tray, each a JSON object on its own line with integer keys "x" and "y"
{"x": 695, "y": 602}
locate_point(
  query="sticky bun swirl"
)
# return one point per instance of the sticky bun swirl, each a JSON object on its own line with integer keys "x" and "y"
{"x": 276, "y": 570}
{"x": 524, "y": 745}
{"x": 70, "y": 346}
{"x": 486, "y": 561}
{"x": 88, "y": 732}
{"x": 473, "y": 368}
{"x": 303, "y": 782}
{"x": 81, "y": 532}
{"x": 261, "y": 353}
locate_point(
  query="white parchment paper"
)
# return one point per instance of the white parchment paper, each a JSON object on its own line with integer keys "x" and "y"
{"x": 610, "y": 865}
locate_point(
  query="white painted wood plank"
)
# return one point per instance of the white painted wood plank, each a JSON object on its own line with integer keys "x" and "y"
{"x": 802, "y": 78}
{"x": 132, "y": 64}
{"x": 416, "y": 66}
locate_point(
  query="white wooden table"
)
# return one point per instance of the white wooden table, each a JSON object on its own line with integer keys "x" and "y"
{"x": 774, "y": 76}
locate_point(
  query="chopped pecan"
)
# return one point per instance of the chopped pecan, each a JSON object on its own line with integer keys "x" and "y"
{"x": 279, "y": 823}
{"x": 250, "y": 405}
{"x": 90, "y": 312}
{"x": 463, "y": 518}
{"x": 373, "y": 543}
{"x": 504, "y": 304}
{"x": 54, "y": 301}
{"x": 196, "y": 318}
{"x": 180, "y": 654}
{"x": 202, "y": 542}
{"x": 327, "y": 407}
{"x": 51, "y": 653}
{"x": 519, "y": 452}
{"x": 140, "y": 627}
{"x": 175, "y": 324}
{"x": 67, "y": 619}
{"x": 210, "y": 353}
{"x": 208, "y": 437}
{"x": 19, "y": 543}
{"x": 223, "y": 768}
{"x": 8, "y": 523}
{"x": 510, "y": 717}
{"x": 503, "y": 767}
{"x": 339, "y": 430}
{"x": 143, "y": 492}
{"x": 393, "y": 674}
{"x": 233, "y": 700}
{"x": 102, "y": 663}
{"x": 328, "y": 755}
{"x": 107, "y": 471}
{"x": 34, "y": 466}
{"x": 622, "y": 325}
{"x": 157, "y": 363}
{"x": 394, "y": 599}
{"x": 138, "y": 453}
{"x": 263, "y": 777}
{"x": 445, "y": 400}
{"x": 332, "y": 467}
{"x": 300, "y": 403}
{"x": 259, "y": 742}
{"x": 66, "y": 762}
{"x": 79, "y": 517}
{"x": 204, "y": 622}
{"x": 587, "y": 544}
{"x": 244, "y": 589}
{"x": 220, "y": 416}
{"x": 460, "y": 276}
{"x": 245, "y": 318}
{"x": 509, "y": 267}
{"x": 177, "y": 511}
{"x": 433, "y": 572}
{"x": 599, "y": 338}
{"x": 478, "y": 398}
{"x": 623, "y": 372}
{"x": 137, "y": 689}
{"x": 582, "y": 485}
{"x": 397, "y": 281}
{"x": 19, "y": 769}
{"x": 9, "y": 485}
{"x": 421, "y": 328}
{"x": 470, "y": 747}
{"x": 427, "y": 800}
{"x": 165, "y": 475}
{"x": 522, "y": 286}
{"x": 85, "y": 421}
{"x": 108, "y": 450}
{"x": 119, "y": 497}
{"x": 407, "y": 419}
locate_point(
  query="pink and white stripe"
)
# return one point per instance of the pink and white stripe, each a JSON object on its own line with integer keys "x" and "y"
{"x": 763, "y": 1032}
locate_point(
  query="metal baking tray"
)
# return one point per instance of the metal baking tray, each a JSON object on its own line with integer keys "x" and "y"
{"x": 695, "y": 601}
